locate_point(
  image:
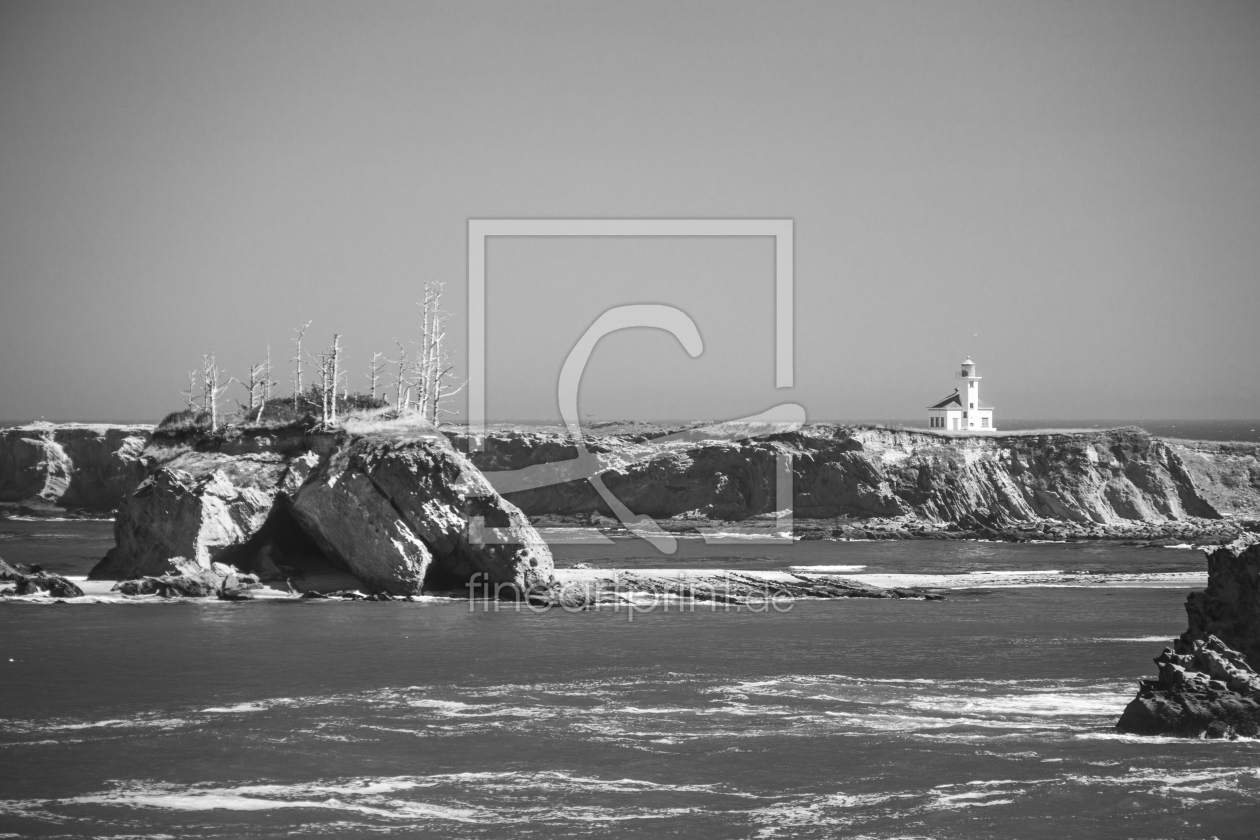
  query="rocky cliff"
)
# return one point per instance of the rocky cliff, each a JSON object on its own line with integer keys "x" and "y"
{"x": 50, "y": 469}
{"x": 396, "y": 510}
{"x": 1101, "y": 478}
{"x": 1054, "y": 483}
{"x": 1206, "y": 686}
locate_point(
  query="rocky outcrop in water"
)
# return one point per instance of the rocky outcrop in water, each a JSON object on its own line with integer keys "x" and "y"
{"x": 191, "y": 580}
{"x": 48, "y": 469}
{"x": 34, "y": 581}
{"x": 1206, "y": 687}
{"x": 1230, "y": 606}
{"x": 395, "y": 510}
{"x": 1056, "y": 482}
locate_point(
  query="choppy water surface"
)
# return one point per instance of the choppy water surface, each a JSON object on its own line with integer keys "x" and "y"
{"x": 986, "y": 715}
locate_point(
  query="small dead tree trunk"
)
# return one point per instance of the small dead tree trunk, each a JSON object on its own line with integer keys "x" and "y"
{"x": 254, "y": 385}
{"x": 402, "y": 387}
{"x": 375, "y": 368}
{"x": 322, "y": 388}
{"x": 334, "y": 377}
{"x": 190, "y": 396}
{"x": 212, "y": 391}
{"x": 297, "y": 361}
{"x": 267, "y": 384}
{"x": 433, "y": 367}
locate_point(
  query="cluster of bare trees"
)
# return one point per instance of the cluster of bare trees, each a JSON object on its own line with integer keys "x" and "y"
{"x": 207, "y": 385}
{"x": 424, "y": 379}
{"x": 423, "y": 375}
{"x": 204, "y": 388}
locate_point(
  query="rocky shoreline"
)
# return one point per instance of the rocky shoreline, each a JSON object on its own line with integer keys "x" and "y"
{"x": 1206, "y": 687}
{"x": 851, "y": 483}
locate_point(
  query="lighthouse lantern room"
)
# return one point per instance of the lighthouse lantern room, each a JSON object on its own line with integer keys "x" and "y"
{"x": 962, "y": 410}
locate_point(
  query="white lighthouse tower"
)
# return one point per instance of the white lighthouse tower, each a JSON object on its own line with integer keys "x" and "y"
{"x": 962, "y": 410}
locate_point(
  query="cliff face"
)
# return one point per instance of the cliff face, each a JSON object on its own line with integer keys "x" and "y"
{"x": 1104, "y": 477}
{"x": 1230, "y": 606}
{"x": 1227, "y": 475}
{"x": 71, "y": 466}
{"x": 389, "y": 509}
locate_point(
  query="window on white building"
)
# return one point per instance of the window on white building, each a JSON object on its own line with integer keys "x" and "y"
{"x": 984, "y": 422}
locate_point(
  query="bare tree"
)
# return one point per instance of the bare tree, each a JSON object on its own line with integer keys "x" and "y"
{"x": 375, "y": 368}
{"x": 433, "y": 367}
{"x": 254, "y": 386}
{"x": 334, "y": 376}
{"x": 330, "y": 376}
{"x": 297, "y": 361}
{"x": 190, "y": 396}
{"x": 402, "y": 385}
{"x": 266, "y": 385}
{"x": 212, "y": 391}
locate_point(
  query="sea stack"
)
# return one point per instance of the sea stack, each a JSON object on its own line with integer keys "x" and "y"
{"x": 1206, "y": 685}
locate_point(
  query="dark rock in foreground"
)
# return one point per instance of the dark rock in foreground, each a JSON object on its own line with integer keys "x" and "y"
{"x": 1230, "y": 606}
{"x": 1205, "y": 687}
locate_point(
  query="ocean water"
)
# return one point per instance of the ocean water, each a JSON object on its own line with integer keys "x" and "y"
{"x": 989, "y": 714}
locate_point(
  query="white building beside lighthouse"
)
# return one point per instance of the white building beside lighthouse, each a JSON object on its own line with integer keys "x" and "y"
{"x": 962, "y": 410}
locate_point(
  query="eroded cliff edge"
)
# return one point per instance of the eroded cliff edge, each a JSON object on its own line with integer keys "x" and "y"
{"x": 1052, "y": 483}
{"x": 52, "y": 469}
{"x": 396, "y": 510}
{"x": 863, "y": 481}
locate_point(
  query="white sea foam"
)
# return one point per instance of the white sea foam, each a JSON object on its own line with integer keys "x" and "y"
{"x": 1012, "y": 579}
{"x": 23, "y": 518}
{"x": 239, "y": 707}
{"x": 826, "y": 569}
{"x": 1164, "y": 639}
{"x": 1042, "y": 704}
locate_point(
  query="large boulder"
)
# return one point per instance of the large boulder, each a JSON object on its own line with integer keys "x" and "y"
{"x": 195, "y": 505}
{"x": 397, "y": 511}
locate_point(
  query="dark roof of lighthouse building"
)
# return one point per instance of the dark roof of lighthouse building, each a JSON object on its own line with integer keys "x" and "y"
{"x": 952, "y": 399}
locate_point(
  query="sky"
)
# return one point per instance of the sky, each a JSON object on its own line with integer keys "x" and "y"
{"x": 1068, "y": 192}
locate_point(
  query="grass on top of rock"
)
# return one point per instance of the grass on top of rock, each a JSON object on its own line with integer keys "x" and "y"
{"x": 357, "y": 409}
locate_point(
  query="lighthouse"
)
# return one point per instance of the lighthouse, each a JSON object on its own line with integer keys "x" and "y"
{"x": 962, "y": 410}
